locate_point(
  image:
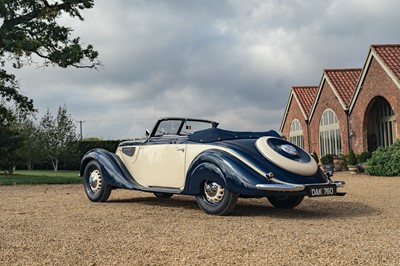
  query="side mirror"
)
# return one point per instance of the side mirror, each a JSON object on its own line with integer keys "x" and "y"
{"x": 147, "y": 133}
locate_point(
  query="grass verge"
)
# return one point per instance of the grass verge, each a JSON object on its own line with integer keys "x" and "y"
{"x": 38, "y": 177}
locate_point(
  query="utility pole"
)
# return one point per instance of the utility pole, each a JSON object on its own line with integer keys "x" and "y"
{"x": 80, "y": 127}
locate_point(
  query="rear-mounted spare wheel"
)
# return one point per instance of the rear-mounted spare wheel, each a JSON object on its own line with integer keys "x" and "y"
{"x": 287, "y": 156}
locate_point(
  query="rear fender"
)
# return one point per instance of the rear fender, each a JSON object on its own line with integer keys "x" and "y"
{"x": 200, "y": 173}
{"x": 224, "y": 168}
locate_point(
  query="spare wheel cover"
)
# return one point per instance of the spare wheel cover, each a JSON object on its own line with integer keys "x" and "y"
{"x": 301, "y": 167}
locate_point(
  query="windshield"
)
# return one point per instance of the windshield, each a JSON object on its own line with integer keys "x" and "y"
{"x": 192, "y": 126}
{"x": 181, "y": 127}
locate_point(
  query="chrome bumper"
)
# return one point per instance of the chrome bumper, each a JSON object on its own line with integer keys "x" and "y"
{"x": 339, "y": 183}
{"x": 290, "y": 187}
{"x": 280, "y": 187}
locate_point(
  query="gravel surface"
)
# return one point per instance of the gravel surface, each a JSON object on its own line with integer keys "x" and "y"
{"x": 58, "y": 225}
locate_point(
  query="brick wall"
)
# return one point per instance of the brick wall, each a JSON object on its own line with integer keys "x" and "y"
{"x": 294, "y": 112}
{"x": 328, "y": 100}
{"x": 376, "y": 83}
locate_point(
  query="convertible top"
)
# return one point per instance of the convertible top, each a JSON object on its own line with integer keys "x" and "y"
{"x": 216, "y": 134}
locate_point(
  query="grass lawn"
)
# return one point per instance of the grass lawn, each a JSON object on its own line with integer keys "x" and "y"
{"x": 23, "y": 177}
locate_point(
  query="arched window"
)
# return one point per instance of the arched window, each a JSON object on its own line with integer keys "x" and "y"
{"x": 329, "y": 134}
{"x": 381, "y": 124}
{"x": 296, "y": 134}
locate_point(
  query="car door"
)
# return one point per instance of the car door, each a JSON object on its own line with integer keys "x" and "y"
{"x": 163, "y": 162}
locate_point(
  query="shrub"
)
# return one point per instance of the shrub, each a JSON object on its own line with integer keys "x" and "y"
{"x": 327, "y": 159}
{"x": 385, "y": 161}
{"x": 352, "y": 159}
{"x": 364, "y": 156}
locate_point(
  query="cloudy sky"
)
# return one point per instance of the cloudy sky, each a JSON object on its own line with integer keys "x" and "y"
{"x": 231, "y": 61}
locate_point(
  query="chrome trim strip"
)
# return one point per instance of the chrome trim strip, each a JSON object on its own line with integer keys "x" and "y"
{"x": 241, "y": 158}
{"x": 280, "y": 187}
{"x": 290, "y": 184}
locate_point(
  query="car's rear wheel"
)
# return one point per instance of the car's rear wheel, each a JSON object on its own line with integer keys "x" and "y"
{"x": 215, "y": 199}
{"x": 96, "y": 188}
{"x": 163, "y": 195}
{"x": 285, "y": 202}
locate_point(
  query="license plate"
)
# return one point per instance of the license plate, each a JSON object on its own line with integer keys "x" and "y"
{"x": 321, "y": 191}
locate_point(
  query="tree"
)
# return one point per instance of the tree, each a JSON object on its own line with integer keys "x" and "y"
{"x": 57, "y": 135}
{"x": 31, "y": 151}
{"x": 10, "y": 142}
{"x": 30, "y": 28}
{"x": 10, "y": 139}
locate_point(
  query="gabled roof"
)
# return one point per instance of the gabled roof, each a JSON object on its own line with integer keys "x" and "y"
{"x": 344, "y": 81}
{"x": 305, "y": 97}
{"x": 388, "y": 56}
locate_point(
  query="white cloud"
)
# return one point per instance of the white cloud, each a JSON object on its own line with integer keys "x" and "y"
{"x": 232, "y": 61}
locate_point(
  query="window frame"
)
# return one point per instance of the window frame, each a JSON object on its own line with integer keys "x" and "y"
{"x": 330, "y": 139}
{"x": 296, "y": 135}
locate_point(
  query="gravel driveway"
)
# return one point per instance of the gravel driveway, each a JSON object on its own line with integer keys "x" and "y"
{"x": 58, "y": 225}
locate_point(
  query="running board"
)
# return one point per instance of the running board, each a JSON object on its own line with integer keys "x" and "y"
{"x": 161, "y": 189}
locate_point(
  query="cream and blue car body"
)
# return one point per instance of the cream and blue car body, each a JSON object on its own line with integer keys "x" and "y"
{"x": 194, "y": 157}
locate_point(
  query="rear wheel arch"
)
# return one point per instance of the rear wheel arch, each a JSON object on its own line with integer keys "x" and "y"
{"x": 202, "y": 172}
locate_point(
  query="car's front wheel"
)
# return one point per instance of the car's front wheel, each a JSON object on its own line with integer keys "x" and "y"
{"x": 285, "y": 202}
{"x": 95, "y": 186}
{"x": 215, "y": 199}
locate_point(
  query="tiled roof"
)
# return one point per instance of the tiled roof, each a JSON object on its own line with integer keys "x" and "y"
{"x": 306, "y": 97}
{"x": 390, "y": 54}
{"x": 344, "y": 81}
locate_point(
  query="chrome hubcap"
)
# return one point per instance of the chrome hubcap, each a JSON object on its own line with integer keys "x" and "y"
{"x": 289, "y": 149}
{"x": 213, "y": 192}
{"x": 95, "y": 181}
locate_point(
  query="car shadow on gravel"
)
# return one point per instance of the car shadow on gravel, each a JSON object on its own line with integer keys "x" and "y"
{"x": 306, "y": 210}
{"x": 174, "y": 202}
{"x": 319, "y": 210}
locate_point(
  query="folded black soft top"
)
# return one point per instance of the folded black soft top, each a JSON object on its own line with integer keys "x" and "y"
{"x": 216, "y": 134}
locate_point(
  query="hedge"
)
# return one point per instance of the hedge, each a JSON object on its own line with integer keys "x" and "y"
{"x": 385, "y": 161}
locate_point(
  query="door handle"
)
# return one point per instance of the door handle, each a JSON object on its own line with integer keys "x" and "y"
{"x": 180, "y": 149}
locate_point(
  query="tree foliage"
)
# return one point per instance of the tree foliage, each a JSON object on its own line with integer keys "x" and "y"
{"x": 10, "y": 142}
{"x": 31, "y": 28}
{"x": 58, "y": 136}
{"x": 31, "y": 151}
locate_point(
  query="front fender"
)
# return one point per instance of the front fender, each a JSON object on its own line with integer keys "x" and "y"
{"x": 232, "y": 173}
{"x": 111, "y": 167}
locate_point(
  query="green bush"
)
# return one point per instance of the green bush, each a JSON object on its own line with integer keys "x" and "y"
{"x": 352, "y": 159}
{"x": 327, "y": 159}
{"x": 364, "y": 156}
{"x": 385, "y": 161}
{"x": 110, "y": 145}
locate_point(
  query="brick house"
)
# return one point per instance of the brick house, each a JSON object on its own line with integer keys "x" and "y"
{"x": 351, "y": 109}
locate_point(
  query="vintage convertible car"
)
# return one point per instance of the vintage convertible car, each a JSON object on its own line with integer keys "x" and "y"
{"x": 194, "y": 157}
